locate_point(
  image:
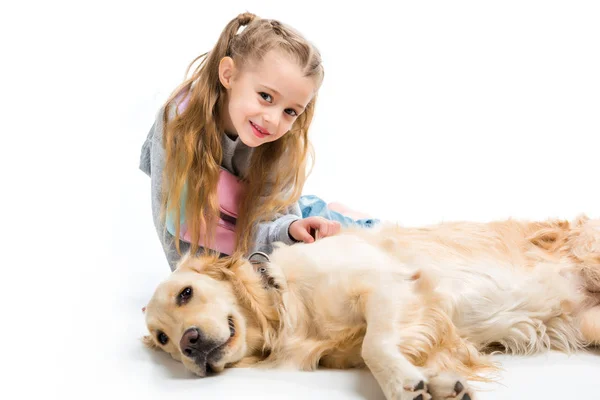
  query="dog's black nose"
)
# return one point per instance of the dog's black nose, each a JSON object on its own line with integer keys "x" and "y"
{"x": 189, "y": 341}
{"x": 193, "y": 343}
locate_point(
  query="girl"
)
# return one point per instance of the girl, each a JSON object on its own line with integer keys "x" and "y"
{"x": 228, "y": 153}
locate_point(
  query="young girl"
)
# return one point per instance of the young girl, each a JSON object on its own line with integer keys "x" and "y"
{"x": 228, "y": 153}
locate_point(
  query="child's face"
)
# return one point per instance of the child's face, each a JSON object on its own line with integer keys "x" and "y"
{"x": 264, "y": 98}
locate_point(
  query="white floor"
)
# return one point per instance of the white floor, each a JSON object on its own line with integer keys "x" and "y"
{"x": 552, "y": 376}
{"x": 430, "y": 111}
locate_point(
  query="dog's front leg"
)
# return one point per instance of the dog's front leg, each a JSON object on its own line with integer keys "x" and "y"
{"x": 398, "y": 378}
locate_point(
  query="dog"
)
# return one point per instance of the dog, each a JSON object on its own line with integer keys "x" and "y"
{"x": 422, "y": 308}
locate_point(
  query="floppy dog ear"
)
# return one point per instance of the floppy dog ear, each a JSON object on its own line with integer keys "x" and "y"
{"x": 149, "y": 342}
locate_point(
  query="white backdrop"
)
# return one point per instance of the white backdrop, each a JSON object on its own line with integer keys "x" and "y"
{"x": 430, "y": 111}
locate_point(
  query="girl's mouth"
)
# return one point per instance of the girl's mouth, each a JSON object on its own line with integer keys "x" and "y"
{"x": 259, "y": 131}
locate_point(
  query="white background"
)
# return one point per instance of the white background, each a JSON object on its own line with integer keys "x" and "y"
{"x": 430, "y": 111}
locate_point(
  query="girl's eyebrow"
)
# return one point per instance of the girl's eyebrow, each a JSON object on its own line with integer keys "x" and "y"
{"x": 279, "y": 94}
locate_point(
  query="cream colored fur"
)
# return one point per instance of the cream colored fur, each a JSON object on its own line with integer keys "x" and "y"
{"x": 422, "y": 308}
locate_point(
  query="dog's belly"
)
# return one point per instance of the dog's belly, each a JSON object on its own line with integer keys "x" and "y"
{"x": 490, "y": 302}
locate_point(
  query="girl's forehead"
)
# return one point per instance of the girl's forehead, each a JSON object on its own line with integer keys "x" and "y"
{"x": 281, "y": 73}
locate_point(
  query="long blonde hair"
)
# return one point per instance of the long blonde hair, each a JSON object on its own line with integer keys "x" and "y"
{"x": 192, "y": 137}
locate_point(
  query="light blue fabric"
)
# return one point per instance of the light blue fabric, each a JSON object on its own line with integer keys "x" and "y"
{"x": 313, "y": 206}
{"x": 170, "y": 219}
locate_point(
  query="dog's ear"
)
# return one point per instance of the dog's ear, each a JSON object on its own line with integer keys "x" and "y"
{"x": 149, "y": 342}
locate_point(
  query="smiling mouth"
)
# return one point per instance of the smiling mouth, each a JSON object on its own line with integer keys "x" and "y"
{"x": 259, "y": 131}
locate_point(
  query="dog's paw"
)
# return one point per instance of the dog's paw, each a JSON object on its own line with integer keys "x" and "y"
{"x": 414, "y": 391}
{"x": 445, "y": 386}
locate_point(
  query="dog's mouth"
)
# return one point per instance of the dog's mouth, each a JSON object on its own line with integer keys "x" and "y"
{"x": 231, "y": 324}
{"x": 209, "y": 363}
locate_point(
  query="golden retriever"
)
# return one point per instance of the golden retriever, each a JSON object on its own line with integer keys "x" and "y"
{"x": 421, "y": 308}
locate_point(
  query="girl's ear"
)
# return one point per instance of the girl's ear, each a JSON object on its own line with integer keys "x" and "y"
{"x": 226, "y": 71}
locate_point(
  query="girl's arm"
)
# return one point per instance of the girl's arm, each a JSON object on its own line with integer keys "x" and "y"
{"x": 276, "y": 230}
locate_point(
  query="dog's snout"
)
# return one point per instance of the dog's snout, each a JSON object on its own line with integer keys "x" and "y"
{"x": 194, "y": 343}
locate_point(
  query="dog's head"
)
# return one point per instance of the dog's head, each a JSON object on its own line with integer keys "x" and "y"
{"x": 194, "y": 315}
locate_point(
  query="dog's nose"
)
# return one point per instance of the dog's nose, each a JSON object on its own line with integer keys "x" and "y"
{"x": 188, "y": 342}
{"x": 193, "y": 343}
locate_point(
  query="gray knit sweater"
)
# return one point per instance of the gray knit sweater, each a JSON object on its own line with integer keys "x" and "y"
{"x": 236, "y": 158}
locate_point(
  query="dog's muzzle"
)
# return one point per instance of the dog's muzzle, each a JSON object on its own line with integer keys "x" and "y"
{"x": 195, "y": 345}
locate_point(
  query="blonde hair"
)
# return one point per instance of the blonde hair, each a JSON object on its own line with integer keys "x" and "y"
{"x": 192, "y": 137}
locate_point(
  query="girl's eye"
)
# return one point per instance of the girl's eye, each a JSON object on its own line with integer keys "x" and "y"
{"x": 162, "y": 338}
{"x": 291, "y": 112}
{"x": 266, "y": 97}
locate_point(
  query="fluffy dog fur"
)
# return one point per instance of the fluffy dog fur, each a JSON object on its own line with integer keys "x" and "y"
{"x": 422, "y": 308}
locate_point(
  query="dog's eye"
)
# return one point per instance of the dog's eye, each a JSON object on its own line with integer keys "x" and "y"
{"x": 162, "y": 338}
{"x": 184, "y": 296}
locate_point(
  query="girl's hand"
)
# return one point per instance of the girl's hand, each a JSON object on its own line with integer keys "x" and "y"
{"x": 300, "y": 229}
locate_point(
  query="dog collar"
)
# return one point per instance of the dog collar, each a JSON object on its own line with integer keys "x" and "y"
{"x": 260, "y": 262}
